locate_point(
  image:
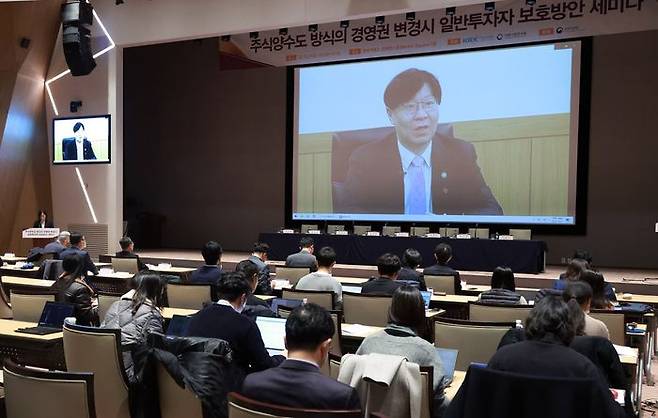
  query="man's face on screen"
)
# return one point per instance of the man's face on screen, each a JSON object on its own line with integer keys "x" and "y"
{"x": 415, "y": 121}
{"x": 80, "y": 134}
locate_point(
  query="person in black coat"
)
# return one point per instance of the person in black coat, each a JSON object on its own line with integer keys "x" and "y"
{"x": 298, "y": 381}
{"x": 211, "y": 272}
{"x": 549, "y": 330}
{"x": 128, "y": 251}
{"x": 71, "y": 288}
{"x": 443, "y": 255}
{"x": 223, "y": 320}
{"x": 379, "y": 176}
{"x": 255, "y": 306}
{"x": 42, "y": 220}
{"x": 411, "y": 260}
{"x": 388, "y": 267}
{"x": 78, "y": 245}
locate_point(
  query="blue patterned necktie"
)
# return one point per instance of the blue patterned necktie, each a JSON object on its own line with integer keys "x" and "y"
{"x": 416, "y": 193}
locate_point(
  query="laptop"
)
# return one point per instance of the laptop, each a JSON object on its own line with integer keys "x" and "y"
{"x": 427, "y": 297}
{"x": 352, "y": 289}
{"x": 288, "y": 303}
{"x": 448, "y": 359}
{"x": 273, "y": 332}
{"x": 178, "y": 326}
{"x": 52, "y": 319}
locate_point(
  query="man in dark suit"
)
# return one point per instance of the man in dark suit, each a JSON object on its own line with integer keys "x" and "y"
{"x": 305, "y": 257}
{"x": 78, "y": 147}
{"x": 442, "y": 255}
{"x": 416, "y": 170}
{"x": 60, "y": 244}
{"x": 128, "y": 251}
{"x": 224, "y": 320}
{"x": 298, "y": 382}
{"x": 388, "y": 267}
{"x": 78, "y": 245}
{"x": 259, "y": 257}
{"x": 211, "y": 271}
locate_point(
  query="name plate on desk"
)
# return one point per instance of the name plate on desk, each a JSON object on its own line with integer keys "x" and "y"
{"x": 287, "y": 231}
{"x": 342, "y": 233}
{"x": 314, "y": 232}
{"x": 40, "y": 232}
{"x": 463, "y": 236}
{"x": 506, "y": 237}
{"x": 372, "y": 234}
{"x": 432, "y": 235}
{"x": 402, "y": 234}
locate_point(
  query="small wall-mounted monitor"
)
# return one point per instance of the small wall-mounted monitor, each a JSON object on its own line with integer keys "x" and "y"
{"x": 81, "y": 140}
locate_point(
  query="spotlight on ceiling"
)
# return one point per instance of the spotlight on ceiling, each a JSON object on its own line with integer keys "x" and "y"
{"x": 410, "y": 16}
{"x": 530, "y": 2}
{"x": 344, "y": 23}
{"x": 283, "y": 31}
{"x": 313, "y": 28}
{"x": 450, "y": 11}
{"x": 253, "y": 35}
{"x": 490, "y": 6}
{"x": 380, "y": 20}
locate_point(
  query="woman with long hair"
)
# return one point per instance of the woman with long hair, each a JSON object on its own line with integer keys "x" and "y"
{"x": 72, "y": 288}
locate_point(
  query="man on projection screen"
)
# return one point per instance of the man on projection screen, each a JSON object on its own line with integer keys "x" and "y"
{"x": 418, "y": 169}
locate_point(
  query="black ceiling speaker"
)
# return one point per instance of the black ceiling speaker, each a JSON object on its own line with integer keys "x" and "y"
{"x": 77, "y": 16}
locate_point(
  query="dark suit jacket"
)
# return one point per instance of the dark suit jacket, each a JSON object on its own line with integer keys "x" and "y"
{"x": 302, "y": 259}
{"x": 380, "y": 286}
{"x": 206, "y": 274}
{"x": 127, "y": 254}
{"x": 223, "y": 322}
{"x": 375, "y": 180}
{"x": 439, "y": 270}
{"x": 409, "y": 274}
{"x": 37, "y": 224}
{"x": 299, "y": 384}
{"x": 71, "y": 153}
{"x": 54, "y": 247}
{"x": 84, "y": 257}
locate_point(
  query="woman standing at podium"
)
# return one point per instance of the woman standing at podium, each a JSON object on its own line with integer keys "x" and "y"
{"x": 42, "y": 220}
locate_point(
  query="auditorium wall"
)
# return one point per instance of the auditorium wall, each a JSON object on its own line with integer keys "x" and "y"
{"x": 214, "y": 145}
{"x": 24, "y": 176}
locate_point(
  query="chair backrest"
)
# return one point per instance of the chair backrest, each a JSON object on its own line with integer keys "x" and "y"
{"x": 337, "y": 339}
{"x": 427, "y": 391}
{"x": 52, "y": 269}
{"x": 98, "y": 350}
{"x": 366, "y": 309}
{"x": 127, "y": 265}
{"x": 175, "y": 401}
{"x": 5, "y": 307}
{"x": 105, "y": 300}
{"x": 362, "y": 229}
{"x": 476, "y": 341}
{"x": 497, "y": 313}
{"x": 521, "y": 233}
{"x": 188, "y": 295}
{"x": 390, "y": 231}
{"x": 444, "y": 284}
{"x": 109, "y": 285}
{"x": 334, "y": 365}
{"x": 307, "y": 227}
{"x": 331, "y": 229}
{"x": 482, "y": 233}
{"x": 28, "y": 306}
{"x": 615, "y": 321}
{"x": 242, "y": 407}
{"x": 419, "y": 231}
{"x": 448, "y": 232}
{"x": 292, "y": 274}
{"x": 319, "y": 297}
{"x": 35, "y": 393}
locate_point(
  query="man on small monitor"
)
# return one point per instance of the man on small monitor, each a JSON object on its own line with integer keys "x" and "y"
{"x": 78, "y": 147}
{"x": 417, "y": 169}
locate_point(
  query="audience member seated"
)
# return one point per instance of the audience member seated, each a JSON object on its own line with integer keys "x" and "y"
{"x": 443, "y": 255}
{"x": 411, "y": 260}
{"x": 581, "y": 292}
{"x": 137, "y": 317}
{"x": 322, "y": 279}
{"x": 596, "y": 281}
{"x": 259, "y": 257}
{"x": 42, "y": 220}
{"x": 402, "y": 337}
{"x": 71, "y": 288}
{"x": 223, "y": 320}
{"x": 550, "y": 328}
{"x": 78, "y": 245}
{"x": 298, "y": 382}
{"x": 305, "y": 257}
{"x": 60, "y": 244}
{"x": 575, "y": 267}
{"x": 128, "y": 251}
{"x": 388, "y": 267}
{"x": 503, "y": 289}
{"x": 255, "y": 306}
{"x": 211, "y": 272}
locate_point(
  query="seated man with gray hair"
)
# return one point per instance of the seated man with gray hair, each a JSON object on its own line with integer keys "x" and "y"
{"x": 62, "y": 242}
{"x": 128, "y": 251}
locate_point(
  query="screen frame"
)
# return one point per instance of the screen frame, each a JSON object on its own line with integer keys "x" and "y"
{"x": 582, "y": 158}
{"x": 86, "y": 162}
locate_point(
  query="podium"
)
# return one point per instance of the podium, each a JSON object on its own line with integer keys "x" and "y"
{"x": 40, "y": 236}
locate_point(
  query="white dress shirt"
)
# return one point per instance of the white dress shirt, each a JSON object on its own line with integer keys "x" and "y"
{"x": 407, "y": 157}
{"x": 79, "y": 146}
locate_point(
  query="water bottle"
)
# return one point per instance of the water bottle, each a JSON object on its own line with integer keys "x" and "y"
{"x": 519, "y": 324}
